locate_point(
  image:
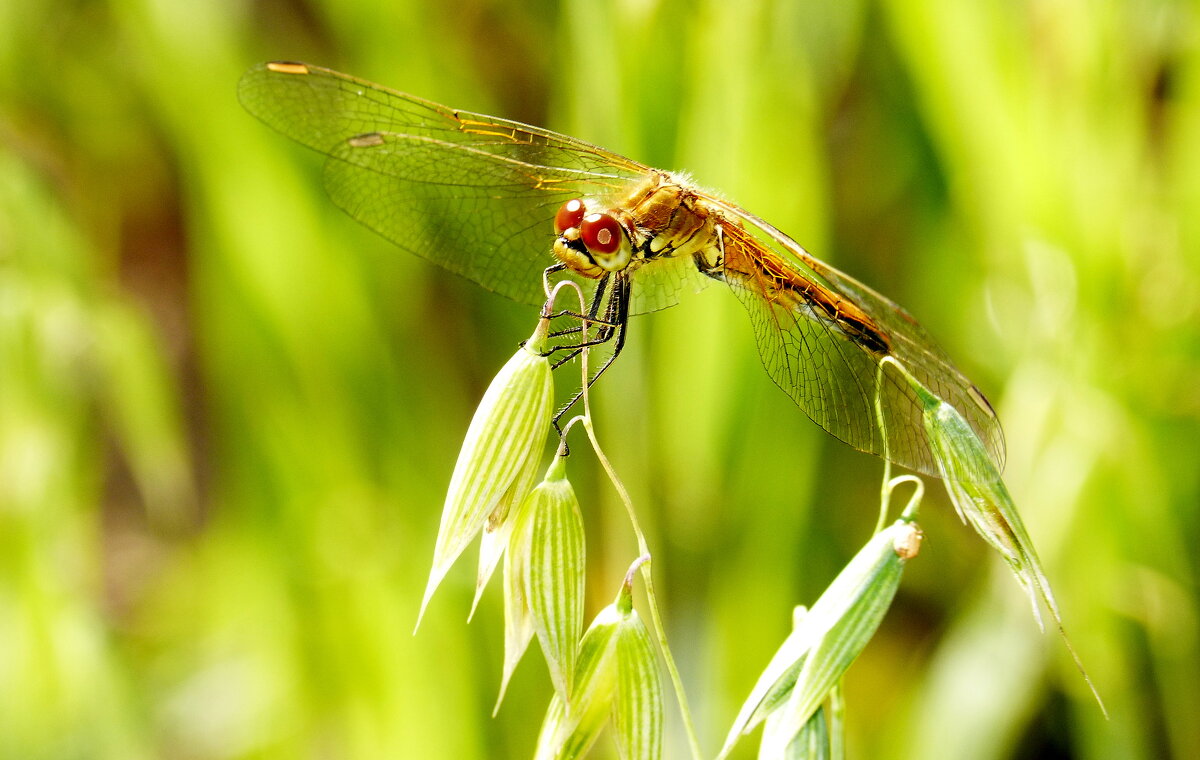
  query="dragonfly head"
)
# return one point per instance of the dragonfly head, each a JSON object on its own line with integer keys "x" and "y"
{"x": 591, "y": 244}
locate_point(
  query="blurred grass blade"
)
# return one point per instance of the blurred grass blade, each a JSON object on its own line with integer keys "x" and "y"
{"x": 825, "y": 642}
{"x": 508, "y": 429}
{"x": 555, "y": 577}
{"x": 145, "y": 415}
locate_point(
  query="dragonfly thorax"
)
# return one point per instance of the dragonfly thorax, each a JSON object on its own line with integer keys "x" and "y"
{"x": 669, "y": 218}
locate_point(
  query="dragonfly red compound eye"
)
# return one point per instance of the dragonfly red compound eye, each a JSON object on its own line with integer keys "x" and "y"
{"x": 569, "y": 215}
{"x": 601, "y": 233}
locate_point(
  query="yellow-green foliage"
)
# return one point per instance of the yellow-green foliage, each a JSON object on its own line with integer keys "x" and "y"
{"x": 228, "y": 415}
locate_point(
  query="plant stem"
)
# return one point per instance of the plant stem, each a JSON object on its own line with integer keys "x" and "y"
{"x": 651, "y": 597}
{"x": 885, "y": 496}
{"x": 643, "y": 550}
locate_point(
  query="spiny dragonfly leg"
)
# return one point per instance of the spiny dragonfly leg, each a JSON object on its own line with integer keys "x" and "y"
{"x": 608, "y": 324}
{"x": 597, "y": 297}
{"x": 546, "y": 279}
{"x": 614, "y": 324}
{"x": 592, "y": 317}
{"x": 593, "y": 309}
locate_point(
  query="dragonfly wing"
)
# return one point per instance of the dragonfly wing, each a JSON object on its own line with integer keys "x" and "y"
{"x": 477, "y": 195}
{"x": 472, "y": 193}
{"x": 473, "y": 213}
{"x": 660, "y": 283}
{"x": 832, "y": 372}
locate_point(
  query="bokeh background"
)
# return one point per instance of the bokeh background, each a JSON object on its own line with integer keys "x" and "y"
{"x": 228, "y": 414}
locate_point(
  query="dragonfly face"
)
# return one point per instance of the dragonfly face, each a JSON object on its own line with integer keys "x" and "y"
{"x": 501, "y": 202}
{"x": 591, "y": 244}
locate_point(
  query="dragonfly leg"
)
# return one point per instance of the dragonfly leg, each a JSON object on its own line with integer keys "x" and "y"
{"x": 597, "y": 297}
{"x": 603, "y": 335}
{"x": 605, "y": 323}
{"x": 616, "y": 314}
{"x": 716, "y": 268}
{"x": 546, "y": 276}
{"x": 576, "y": 315}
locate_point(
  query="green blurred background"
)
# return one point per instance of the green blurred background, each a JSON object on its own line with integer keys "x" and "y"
{"x": 228, "y": 414}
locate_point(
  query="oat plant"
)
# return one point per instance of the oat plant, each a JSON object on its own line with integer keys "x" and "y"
{"x": 609, "y": 675}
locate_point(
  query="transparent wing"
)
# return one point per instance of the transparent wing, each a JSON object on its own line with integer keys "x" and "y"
{"x": 473, "y": 193}
{"x": 831, "y": 370}
{"x": 477, "y": 195}
{"x": 660, "y": 283}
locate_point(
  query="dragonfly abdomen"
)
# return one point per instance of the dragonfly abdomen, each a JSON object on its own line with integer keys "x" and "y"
{"x": 787, "y": 288}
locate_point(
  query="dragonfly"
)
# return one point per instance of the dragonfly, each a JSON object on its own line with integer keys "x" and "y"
{"x": 507, "y": 204}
